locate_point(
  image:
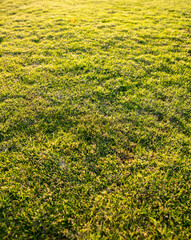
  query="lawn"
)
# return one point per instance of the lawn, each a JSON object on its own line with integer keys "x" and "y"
{"x": 95, "y": 119}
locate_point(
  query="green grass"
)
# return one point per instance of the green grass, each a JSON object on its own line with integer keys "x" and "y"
{"x": 95, "y": 119}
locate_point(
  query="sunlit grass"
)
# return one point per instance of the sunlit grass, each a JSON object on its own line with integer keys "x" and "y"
{"x": 95, "y": 104}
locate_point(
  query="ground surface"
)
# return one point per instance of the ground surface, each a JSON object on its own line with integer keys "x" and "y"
{"x": 95, "y": 105}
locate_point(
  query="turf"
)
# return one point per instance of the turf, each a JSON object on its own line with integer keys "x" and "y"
{"x": 95, "y": 105}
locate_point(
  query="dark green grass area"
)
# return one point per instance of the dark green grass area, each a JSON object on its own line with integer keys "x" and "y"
{"x": 95, "y": 119}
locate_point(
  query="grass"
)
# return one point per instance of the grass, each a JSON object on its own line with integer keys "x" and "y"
{"x": 95, "y": 105}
